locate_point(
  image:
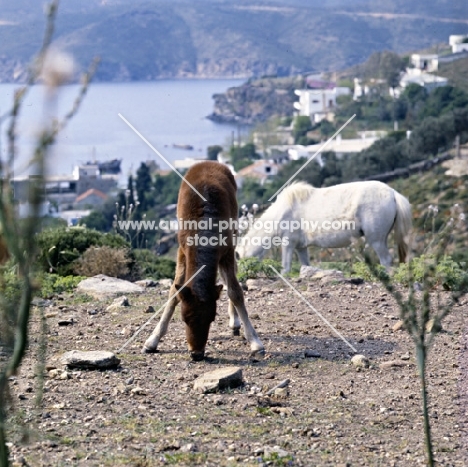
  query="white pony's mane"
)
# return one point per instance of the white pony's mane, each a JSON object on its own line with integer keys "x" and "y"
{"x": 296, "y": 192}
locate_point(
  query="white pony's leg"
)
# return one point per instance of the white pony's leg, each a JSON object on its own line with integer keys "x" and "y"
{"x": 286, "y": 257}
{"x": 303, "y": 255}
{"x": 380, "y": 247}
{"x": 236, "y": 297}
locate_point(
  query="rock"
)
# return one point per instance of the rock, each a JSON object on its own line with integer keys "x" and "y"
{"x": 118, "y": 303}
{"x": 433, "y": 326}
{"x": 311, "y": 354}
{"x": 94, "y": 359}
{"x": 360, "y": 361}
{"x": 406, "y": 356}
{"x": 165, "y": 283}
{"x": 399, "y": 325}
{"x": 391, "y": 364}
{"x": 257, "y": 284}
{"x": 147, "y": 283}
{"x": 138, "y": 391}
{"x": 66, "y": 322}
{"x": 190, "y": 447}
{"x": 281, "y": 393}
{"x": 102, "y": 286}
{"x": 329, "y": 275}
{"x": 227, "y": 377}
{"x": 274, "y": 451}
{"x": 308, "y": 271}
{"x": 150, "y": 309}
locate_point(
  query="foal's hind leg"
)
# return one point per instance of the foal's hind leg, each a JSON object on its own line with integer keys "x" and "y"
{"x": 152, "y": 342}
{"x": 236, "y": 296}
{"x": 234, "y": 322}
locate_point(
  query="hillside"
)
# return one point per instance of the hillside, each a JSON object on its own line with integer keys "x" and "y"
{"x": 147, "y": 413}
{"x": 215, "y": 38}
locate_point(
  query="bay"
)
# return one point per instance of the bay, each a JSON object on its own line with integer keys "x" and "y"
{"x": 165, "y": 112}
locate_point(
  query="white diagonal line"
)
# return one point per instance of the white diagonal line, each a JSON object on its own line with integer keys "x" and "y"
{"x": 157, "y": 312}
{"x": 312, "y": 158}
{"x": 161, "y": 156}
{"x": 317, "y": 312}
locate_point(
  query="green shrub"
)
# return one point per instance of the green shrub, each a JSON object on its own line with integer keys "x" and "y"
{"x": 152, "y": 266}
{"x": 251, "y": 268}
{"x": 53, "y": 284}
{"x": 60, "y": 248}
{"x": 361, "y": 269}
{"x": 446, "y": 273}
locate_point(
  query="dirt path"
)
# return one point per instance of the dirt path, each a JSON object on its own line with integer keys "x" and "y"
{"x": 146, "y": 413}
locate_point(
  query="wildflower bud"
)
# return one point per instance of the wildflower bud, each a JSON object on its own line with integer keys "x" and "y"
{"x": 57, "y": 68}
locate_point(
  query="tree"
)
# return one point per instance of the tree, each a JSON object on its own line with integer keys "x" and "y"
{"x": 301, "y": 126}
{"x": 391, "y": 66}
{"x": 242, "y": 156}
{"x": 143, "y": 188}
{"x": 213, "y": 151}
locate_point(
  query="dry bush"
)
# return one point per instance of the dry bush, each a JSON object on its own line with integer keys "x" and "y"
{"x": 113, "y": 262}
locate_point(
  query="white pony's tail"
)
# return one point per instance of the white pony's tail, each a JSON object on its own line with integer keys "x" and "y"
{"x": 402, "y": 226}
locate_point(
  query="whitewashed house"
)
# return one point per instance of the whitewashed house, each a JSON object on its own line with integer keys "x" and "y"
{"x": 261, "y": 171}
{"x": 417, "y": 76}
{"x": 425, "y": 62}
{"x": 319, "y": 104}
{"x": 457, "y": 44}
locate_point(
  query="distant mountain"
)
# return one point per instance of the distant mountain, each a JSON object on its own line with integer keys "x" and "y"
{"x": 148, "y": 40}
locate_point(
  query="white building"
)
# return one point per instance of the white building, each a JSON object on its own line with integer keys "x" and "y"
{"x": 261, "y": 171}
{"x": 456, "y": 41}
{"x": 426, "y": 62}
{"x": 319, "y": 104}
{"x": 341, "y": 147}
{"x": 359, "y": 89}
{"x": 417, "y": 76}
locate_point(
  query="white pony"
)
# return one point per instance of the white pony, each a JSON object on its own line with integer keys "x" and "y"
{"x": 330, "y": 218}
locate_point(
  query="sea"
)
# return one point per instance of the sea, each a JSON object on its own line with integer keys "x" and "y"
{"x": 165, "y": 113}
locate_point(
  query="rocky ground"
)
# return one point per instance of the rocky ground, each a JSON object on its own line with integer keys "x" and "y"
{"x": 146, "y": 412}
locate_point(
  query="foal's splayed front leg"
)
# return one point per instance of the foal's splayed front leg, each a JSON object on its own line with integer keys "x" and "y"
{"x": 151, "y": 344}
{"x": 236, "y": 299}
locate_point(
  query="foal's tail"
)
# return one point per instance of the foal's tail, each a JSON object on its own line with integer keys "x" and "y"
{"x": 402, "y": 225}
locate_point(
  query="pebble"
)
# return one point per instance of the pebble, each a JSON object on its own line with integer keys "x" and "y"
{"x": 360, "y": 361}
{"x": 398, "y": 326}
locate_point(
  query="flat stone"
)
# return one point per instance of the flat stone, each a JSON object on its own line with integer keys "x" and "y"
{"x": 94, "y": 359}
{"x": 257, "y": 284}
{"x": 308, "y": 271}
{"x": 147, "y": 283}
{"x": 165, "y": 283}
{"x": 328, "y": 275}
{"x": 102, "y": 286}
{"x": 360, "y": 361}
{"x": 227, "y": 377}
{"x": 311, "y": 354}
{"x": 391, "y": 364}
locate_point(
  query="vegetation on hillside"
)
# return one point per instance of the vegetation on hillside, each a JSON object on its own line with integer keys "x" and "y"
{"x": 160, "y": 39}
